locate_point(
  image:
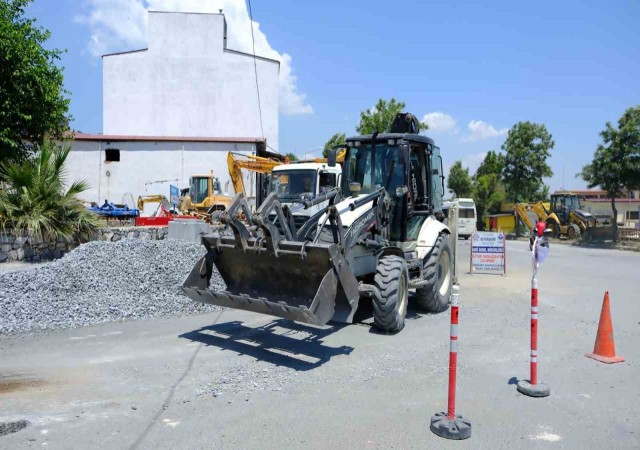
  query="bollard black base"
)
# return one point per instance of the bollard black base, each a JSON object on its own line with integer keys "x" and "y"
{"x": 457, "y": 428}
{"x": 533, "y": 390}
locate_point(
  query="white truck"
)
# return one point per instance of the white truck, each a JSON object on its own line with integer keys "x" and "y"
{"x": 296, "y": 182}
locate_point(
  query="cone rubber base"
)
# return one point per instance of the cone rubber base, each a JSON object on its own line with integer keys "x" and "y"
{"x": 533, "y": 390}
{"x": 605, "y": 359}
{"x": 457, "y": 428}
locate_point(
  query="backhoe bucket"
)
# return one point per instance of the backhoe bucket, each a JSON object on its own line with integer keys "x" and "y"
{"x": 298, "y": 281}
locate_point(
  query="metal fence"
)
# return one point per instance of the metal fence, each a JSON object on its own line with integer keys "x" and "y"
{"x": 628, "y": 234}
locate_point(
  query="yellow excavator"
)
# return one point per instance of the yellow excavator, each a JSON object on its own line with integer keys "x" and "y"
{"x": 203, "y": 197}
{"x": 563, "y": 215}
{"x": 238, "y": 161}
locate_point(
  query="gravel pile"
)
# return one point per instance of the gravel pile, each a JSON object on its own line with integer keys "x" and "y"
{"x": 101, "y": 282}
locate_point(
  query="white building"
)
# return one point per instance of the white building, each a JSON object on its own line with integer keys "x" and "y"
{"x": 119, "y": 168}
{"x": 176, "y": 108}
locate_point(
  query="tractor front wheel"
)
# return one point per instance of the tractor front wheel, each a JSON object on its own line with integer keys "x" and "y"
{"x": 392, "y": 294}
{"x": 435, "y": 295}
{"x": 554, "y": 227}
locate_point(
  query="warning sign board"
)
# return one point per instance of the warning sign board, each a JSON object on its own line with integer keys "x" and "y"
{"x": 488, "y": 253}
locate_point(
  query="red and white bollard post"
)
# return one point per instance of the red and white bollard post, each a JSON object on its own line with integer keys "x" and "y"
{"x": 532, "y": 388}
{"x": 451, "y": 425}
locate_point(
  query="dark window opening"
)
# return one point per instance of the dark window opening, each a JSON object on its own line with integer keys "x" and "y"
{"x": 112, "y": 155}
{"x": 327, "y": 181}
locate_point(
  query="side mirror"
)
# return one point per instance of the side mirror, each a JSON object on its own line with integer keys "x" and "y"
{"x": 331, "y": 158}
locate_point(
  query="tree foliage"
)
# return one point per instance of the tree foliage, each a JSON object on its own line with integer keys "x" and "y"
{"x": 291, "y": 156}
{"x": 459, "y": 181}
{"x": 488, "y": 194}
{"x": 337, "y": 140}
{"x": 488, "y": 191}
{"x": 36, "y": 199}
{"x": 527, "y": 149}
{"x": 493, "y": 163}
{"x": 33, "y": 101}
{"x": 381, "y": 116}
{"x": 616, "y": 161}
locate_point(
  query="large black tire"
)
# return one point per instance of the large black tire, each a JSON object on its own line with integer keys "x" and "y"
{"x": 573, "y": 231}
{"x": 390, "y": 302}
{"x": 435, "y": 295}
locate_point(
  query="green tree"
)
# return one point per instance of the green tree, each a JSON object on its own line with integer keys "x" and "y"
{"x": 488, "y": 194}
{"x": 459, "y": 181}
{"x": 488, "y": 191}
{"x": 291, "y": 156}
{"x": 34, "y": 103}
{"x": 337, "y": 140}
{"x": 616, "y": 161}
{"x": 381, "y": 116}
{"x": 527, "y": 148}
{"x": 36, "y": 199}
{"x": 493, "y": 163}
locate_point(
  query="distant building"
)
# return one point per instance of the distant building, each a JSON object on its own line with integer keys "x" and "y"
{"x": 597, "y": 203}
{"x": 176, "y": 108}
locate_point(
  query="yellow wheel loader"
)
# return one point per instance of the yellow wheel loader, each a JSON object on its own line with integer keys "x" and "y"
{"x": 203, "y": 197}
{"x": 380, "y": 236}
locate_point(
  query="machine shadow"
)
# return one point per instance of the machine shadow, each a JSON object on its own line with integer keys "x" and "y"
{"x": 280, "y": 342}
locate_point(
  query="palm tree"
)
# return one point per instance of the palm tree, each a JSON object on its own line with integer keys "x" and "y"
{"x": 36, "y": 199}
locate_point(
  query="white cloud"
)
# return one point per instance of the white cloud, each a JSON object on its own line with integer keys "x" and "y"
{"x": 472, "y": 162}
{"x": 479, "y": 130}
{"x": 440, "y": 122}
{"x": 122, "y": 25}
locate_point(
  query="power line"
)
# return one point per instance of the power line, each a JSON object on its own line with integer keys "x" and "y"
{"x": 255, "y": 67}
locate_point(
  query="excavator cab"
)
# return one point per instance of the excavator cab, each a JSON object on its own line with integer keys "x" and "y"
{"x": 562, "y": 204}
{"x": 199, "y": 188}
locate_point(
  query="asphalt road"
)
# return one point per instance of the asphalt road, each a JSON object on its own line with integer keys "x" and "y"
{"x": 241, "y": 380}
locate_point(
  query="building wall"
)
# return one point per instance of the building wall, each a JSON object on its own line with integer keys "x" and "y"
{"x": 149, "y": 168}
{"x": 628, "y": 210}
{"x": 188, "y": 84}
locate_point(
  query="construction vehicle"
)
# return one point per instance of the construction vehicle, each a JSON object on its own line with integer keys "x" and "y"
{"x": 340, "y": 154}
{"x": 381, "y": 237}
{"x": 164, "y": 213}
{"x": 563, "y": 215}
{"x": 203, "y": 196}
{"x": 258, "y": 164}
{"x": 302, "y": 181}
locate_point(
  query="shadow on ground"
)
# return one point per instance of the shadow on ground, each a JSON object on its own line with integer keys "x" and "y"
{"x": 280, "y": 342}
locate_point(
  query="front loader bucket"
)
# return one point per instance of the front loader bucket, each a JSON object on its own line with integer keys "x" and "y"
{"x": 303, "y": 282}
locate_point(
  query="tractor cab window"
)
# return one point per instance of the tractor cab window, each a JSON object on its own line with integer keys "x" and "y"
{"x": 572, "y": 202}
{"x": 292, "y": 185}
{"x": 327, "y": 181}
{"x": 198, "y": 189}
{"x": 217, "y": 187}
{"x": 387, "y": 171}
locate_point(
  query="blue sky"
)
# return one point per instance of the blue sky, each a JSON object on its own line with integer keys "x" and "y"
{"x": 572, "y": 65}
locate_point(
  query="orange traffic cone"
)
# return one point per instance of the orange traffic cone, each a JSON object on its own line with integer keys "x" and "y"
{"x": 605, "y": 349}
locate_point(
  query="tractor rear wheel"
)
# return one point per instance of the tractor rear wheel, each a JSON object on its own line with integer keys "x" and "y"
{"x": 573, "y": 231}
{"x": 435, "y": 295}
{"x": 554, "y": 227}
{"x": 392, "y": 296}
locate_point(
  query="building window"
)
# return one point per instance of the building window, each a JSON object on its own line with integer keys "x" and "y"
{"x": 633, "y": 215}
{"x": 112, "y": 155}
